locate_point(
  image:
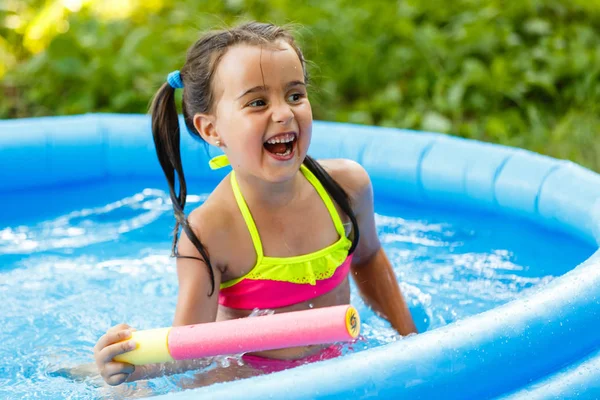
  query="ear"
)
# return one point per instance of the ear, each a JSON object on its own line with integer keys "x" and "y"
{"x": 205, "y": 125}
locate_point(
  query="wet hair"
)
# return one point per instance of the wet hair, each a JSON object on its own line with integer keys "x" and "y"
{"x": 198, "y": 97}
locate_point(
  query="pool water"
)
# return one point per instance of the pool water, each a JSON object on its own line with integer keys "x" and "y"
{"x": 77, "y": 260}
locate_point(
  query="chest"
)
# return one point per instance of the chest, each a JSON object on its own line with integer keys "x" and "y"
{"x": 302, "y": 228}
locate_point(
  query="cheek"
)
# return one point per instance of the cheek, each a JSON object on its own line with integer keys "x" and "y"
{"x": 306, "y": 134}
{"x": 249, "y": 123}
{"x": 305, "y": 120}
{"x": 304, "y": 115}
{"x": 234, "y": 126}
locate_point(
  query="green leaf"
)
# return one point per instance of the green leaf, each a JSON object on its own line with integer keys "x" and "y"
{"x": 435, "y": 122}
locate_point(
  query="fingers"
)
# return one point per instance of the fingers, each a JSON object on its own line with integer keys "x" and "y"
{"x": 115, "y": 334}
{"x": 117, "y": 379}
{"x": 115, "y": 368}
{"x": 107, "y": 354}
{"x": 111, "y": 344}
{"x": 115, "y": 373}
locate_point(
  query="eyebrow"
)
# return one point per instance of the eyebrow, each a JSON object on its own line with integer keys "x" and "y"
{"x": 262, "y": 88}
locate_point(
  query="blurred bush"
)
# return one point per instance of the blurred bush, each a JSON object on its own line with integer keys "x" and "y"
{"x": 523, "y": 73}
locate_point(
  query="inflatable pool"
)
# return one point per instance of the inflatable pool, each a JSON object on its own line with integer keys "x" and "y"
{"x": 542, "y": 345}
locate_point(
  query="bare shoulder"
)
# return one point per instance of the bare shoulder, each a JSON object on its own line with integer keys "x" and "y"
{"x": 208, "y": 218}
{"x": 207, "y": 222}
{"x": 351, "y": 176}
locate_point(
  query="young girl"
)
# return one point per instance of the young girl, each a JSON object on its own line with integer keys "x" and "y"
{"x": 281, "y": 231}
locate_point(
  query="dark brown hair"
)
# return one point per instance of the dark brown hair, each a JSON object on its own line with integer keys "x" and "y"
{"x": 196, "y": 75}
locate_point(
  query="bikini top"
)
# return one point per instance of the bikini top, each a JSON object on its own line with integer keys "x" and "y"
{"x": 280, "y": 281}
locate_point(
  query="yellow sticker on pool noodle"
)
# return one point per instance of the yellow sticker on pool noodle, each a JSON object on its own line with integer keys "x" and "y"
{"x": 352, "y": 322}
{"x": 151, "y": 347}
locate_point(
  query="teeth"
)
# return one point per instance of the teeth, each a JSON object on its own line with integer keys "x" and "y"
{"x": 282, "y": 139}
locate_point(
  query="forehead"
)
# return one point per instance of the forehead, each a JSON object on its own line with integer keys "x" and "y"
{"x": 247, "y": 66}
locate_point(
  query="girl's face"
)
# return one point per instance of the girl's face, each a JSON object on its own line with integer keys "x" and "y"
{"x": 262, "y": 114}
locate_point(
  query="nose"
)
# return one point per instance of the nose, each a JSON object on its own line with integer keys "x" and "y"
{"x": 282, "y": 113}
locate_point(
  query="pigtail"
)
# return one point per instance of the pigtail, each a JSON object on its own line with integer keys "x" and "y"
{"x": 337, "y": 192}
{"x": 166, "y": 134}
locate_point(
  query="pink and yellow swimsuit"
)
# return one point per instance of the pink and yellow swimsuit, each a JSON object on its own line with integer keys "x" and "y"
{"x": 278, "y": 282}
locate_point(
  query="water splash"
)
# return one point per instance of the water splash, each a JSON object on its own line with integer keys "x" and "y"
{"x": 89, "y": 225}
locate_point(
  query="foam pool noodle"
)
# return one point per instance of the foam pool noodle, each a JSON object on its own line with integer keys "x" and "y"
{"x": 269, "y": 332}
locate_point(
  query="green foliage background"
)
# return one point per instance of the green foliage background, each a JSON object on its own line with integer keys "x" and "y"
{"x": 523, "y": 73}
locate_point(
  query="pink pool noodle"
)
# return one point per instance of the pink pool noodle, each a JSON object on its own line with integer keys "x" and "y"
{"x": 299, "y": 328}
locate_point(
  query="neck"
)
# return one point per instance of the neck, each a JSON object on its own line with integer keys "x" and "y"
{"x": 272, "y": 195}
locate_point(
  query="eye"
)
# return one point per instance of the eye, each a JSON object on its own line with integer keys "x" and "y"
{"x": 296, "y": 97}
{"x": 257, "y": 103}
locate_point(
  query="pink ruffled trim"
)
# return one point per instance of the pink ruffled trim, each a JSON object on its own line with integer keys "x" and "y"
{"x": 249, "y": 294}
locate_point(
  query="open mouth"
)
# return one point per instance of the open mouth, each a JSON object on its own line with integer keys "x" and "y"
{"x": 281, "y": 146}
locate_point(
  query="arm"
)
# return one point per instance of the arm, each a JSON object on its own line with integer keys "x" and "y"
{"x": 194, "y": 306}
{"x": 191, "y": 308}
{"x": 376, "y": 281}
{"x": 371, "y": 269}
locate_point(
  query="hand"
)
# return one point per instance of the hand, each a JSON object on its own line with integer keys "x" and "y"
{"x": 111, "y": 344}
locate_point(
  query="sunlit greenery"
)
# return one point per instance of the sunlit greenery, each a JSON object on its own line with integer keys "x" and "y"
{"x": 524, "y": 73}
